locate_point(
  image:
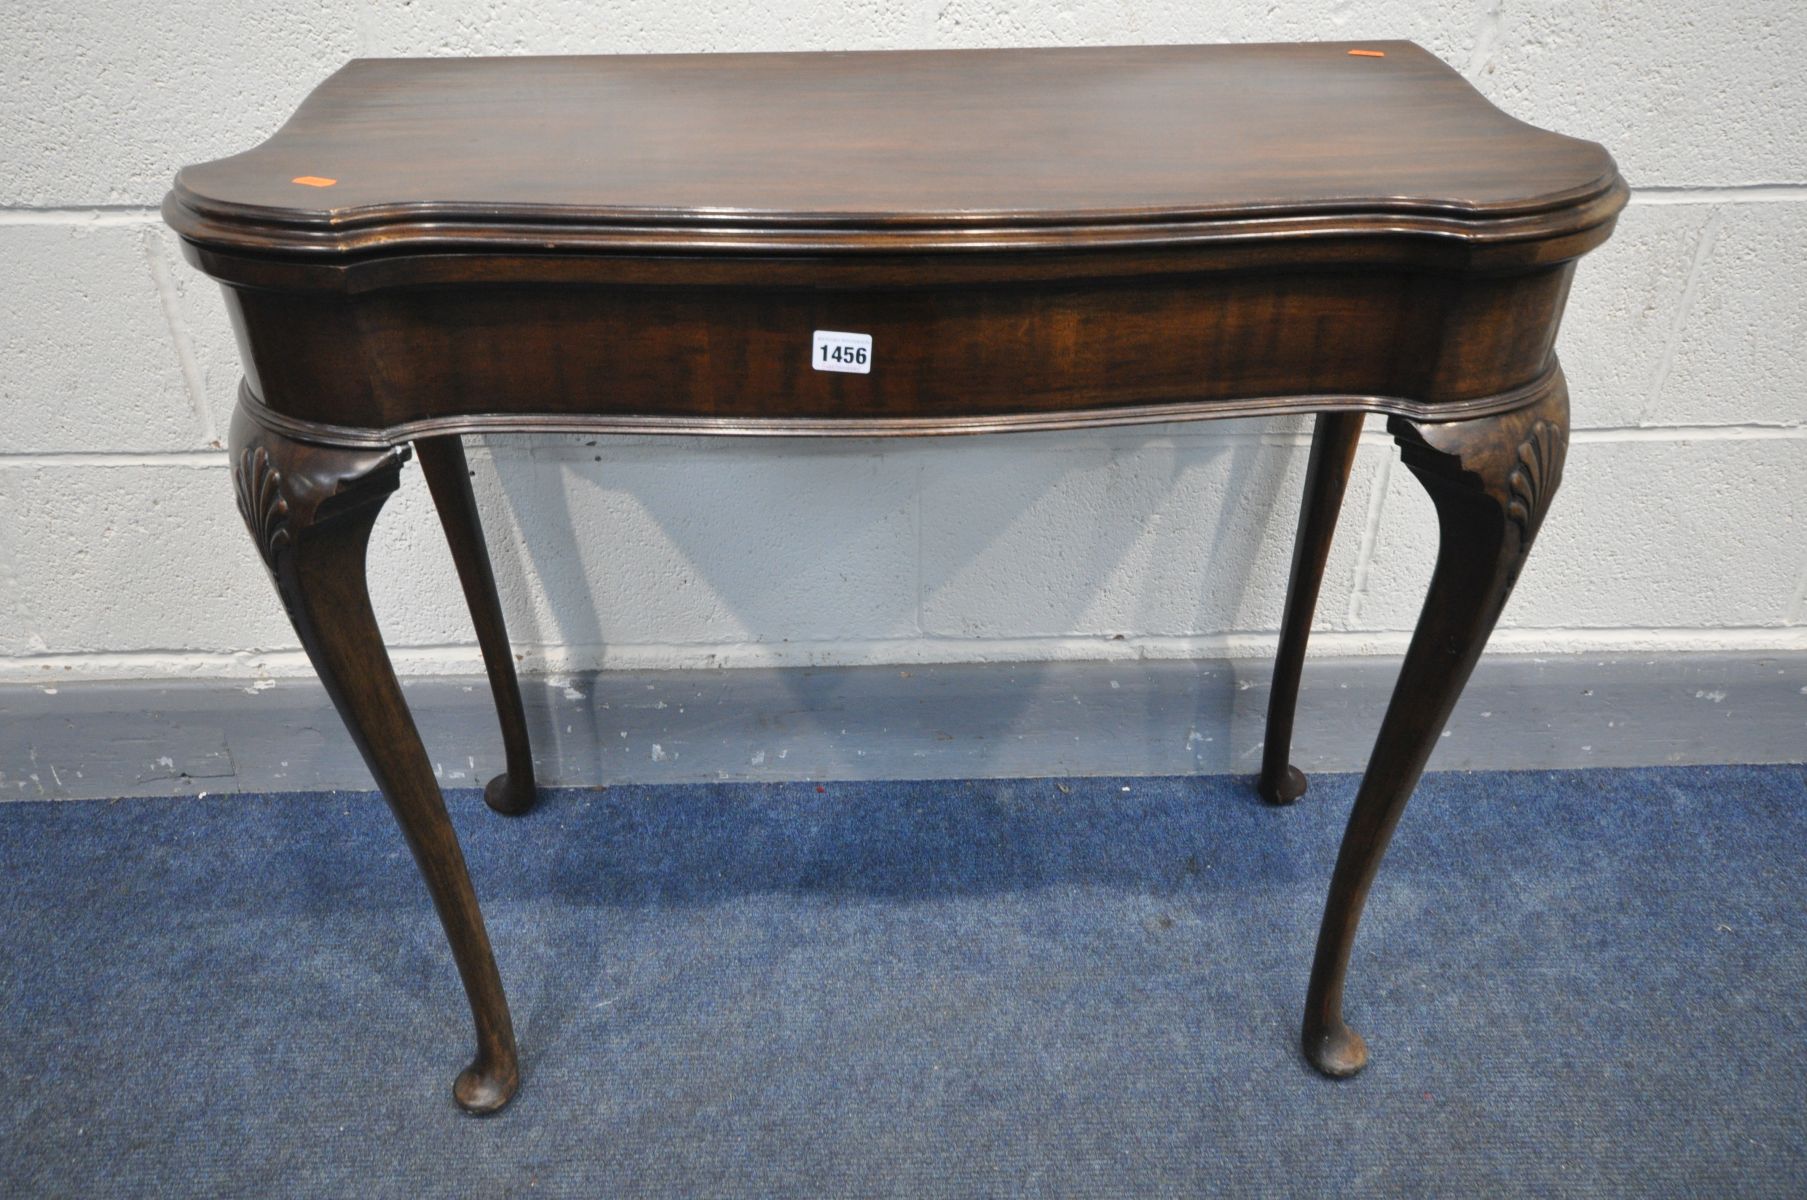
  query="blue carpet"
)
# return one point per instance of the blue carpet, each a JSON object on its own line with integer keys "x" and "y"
{"x": 1573, "y": 983}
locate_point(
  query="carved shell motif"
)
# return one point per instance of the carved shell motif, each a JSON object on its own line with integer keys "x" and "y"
{"x": 260, "y": 502}
{"x": 1536, "y": 474}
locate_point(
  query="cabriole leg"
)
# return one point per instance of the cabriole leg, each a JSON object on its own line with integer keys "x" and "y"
{"x": 1491, "y": 480}
{"x": 1326, "y": 477}
{"x": 449, "y": 478}
{"x": 310, "y": 509}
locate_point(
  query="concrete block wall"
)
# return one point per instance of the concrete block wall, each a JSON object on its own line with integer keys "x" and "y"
{"x": 1681, "y": 525}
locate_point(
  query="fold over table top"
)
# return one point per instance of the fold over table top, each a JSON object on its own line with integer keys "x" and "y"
{"x": 893, "y": 152}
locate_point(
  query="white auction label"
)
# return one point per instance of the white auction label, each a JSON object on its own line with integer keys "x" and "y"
{"x": 833, "y": 350}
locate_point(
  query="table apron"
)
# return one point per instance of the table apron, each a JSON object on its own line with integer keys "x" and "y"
{"x": 955, "y": 359}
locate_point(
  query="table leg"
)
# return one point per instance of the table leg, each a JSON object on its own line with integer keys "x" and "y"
{"x": 449, "y": 478}
{"x": 1491, "y": 480}
{"x": 310, "y": 509}
{"x": 1326, "y": 476}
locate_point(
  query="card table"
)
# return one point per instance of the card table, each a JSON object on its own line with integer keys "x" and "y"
{"x": 893, "y": 244}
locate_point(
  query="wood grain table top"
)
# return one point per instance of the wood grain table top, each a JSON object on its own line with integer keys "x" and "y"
{"x": 892, "y": 151}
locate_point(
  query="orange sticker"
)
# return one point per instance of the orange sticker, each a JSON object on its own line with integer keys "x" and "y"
{"x": 317, "y": 181}
{"x": 1357, "y": 53}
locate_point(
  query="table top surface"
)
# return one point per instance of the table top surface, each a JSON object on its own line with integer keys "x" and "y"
{"x": 865, "y": 145}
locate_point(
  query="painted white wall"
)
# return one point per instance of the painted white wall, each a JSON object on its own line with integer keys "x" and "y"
{"x": 1682, "y": 524}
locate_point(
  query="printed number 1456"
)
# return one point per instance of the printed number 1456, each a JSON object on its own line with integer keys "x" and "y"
{"x": 833, "y": 350}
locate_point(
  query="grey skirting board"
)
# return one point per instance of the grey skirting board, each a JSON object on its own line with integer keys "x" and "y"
{"x": 121, "y": 739}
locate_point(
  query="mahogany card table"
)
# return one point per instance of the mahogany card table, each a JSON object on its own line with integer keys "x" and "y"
{"x": 893, "y": 244}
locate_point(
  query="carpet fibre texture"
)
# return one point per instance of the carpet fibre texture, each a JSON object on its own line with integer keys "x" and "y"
{"x": 1572, "y": 983}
